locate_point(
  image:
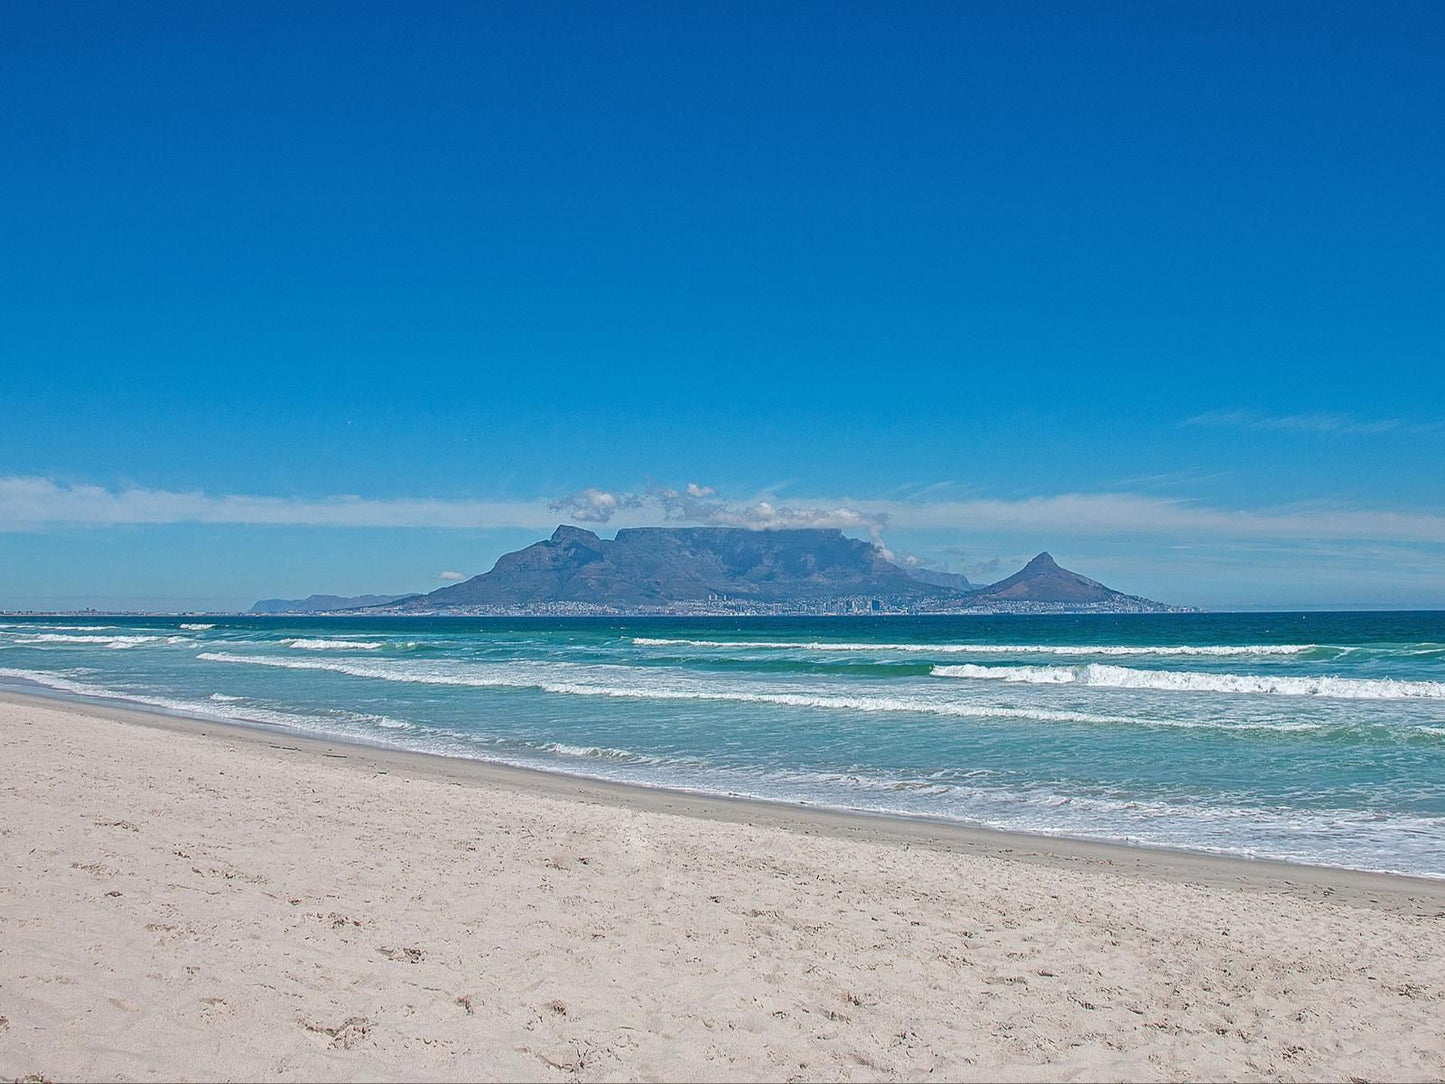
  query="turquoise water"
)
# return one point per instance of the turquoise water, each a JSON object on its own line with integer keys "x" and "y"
{"x": 1310, "y": 737}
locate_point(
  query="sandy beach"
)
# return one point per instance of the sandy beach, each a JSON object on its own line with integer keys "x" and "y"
{"x": 188, "y": 900}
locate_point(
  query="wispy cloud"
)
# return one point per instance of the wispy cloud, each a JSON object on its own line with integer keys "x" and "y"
{"x": 1128, "y": 514}
{"x": 452, "y": 577}
{"x": 1170, "y": 479}
{"x": 29, "y": 503}
{"x": 992, "y": 567}
{"x": 1309, "y": 423}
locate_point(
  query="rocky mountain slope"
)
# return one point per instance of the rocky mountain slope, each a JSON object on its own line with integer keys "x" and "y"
{"x": 728, "y": 569}
{"x": 650, "y": 566}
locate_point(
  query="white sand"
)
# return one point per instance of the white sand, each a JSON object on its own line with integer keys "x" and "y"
{"x": 187, "y": 901}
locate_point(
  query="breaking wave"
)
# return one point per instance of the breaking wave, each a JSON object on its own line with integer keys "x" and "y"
{"x": 113, "y": 642}
{"x": 335, "y": 645}
{"x": 636, "y": 688}
{"x": 990, "y": 649}
{"x": 604, "y": 752}
{"x": 1123, "y": 677}
{"x": 350, "y": 723}
{"x": 29, "y": 626}
{"x": 633, "y": 686}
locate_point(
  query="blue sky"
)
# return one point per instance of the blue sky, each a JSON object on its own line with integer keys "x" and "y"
{"x": 342, "y": 297}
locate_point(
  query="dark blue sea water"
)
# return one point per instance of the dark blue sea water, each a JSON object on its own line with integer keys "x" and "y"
{"x": 1313, "y": 737}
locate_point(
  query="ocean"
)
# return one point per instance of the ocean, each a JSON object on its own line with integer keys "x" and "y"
{"x": 1309, "y": 737}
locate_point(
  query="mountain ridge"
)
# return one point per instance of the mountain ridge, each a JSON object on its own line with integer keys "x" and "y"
{"x": 324, "y": 603}
{"x": 731, "y": 570}
{"x": 659, "y": 566}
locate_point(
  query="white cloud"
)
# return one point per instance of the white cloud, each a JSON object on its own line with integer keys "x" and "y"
{"x": 453, "y": 577}
{"x": 693, "y": 506}
{"x": 1126, "y": 514}
{"x": 28, "y": 503}
{"x": 699, "y": 505}
{"x": 991, "y": 567}
{"x": 594, "y": 505}
{"x": 766, "y": 514}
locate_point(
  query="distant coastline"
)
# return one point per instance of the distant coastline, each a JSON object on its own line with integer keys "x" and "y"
{"x": 840, "y": 608}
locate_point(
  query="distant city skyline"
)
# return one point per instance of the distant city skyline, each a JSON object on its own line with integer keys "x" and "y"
{"x": 357, "y": 298}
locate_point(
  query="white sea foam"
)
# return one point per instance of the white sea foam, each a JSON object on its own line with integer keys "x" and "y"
{"x": 604, "y": 752}
{"x": 1123, "y": 677}
{"x": 628, "y": 756}
{"x": 1225, "y": 822}
{"x": 112, "y": 642}
{"x": 71, "y": 638}
{"x": 1341, "y": 837}
{"x": 989, "y": 649}
{"x": 629, "y": 684}
{"x": 335, "y": 645}
{"x": 196, "y": 627}
{"x": 632, "y": 685}
{"x": 213, "y": 707}
{"x": 28, "y": 626}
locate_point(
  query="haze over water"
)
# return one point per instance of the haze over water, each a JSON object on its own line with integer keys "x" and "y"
{"x": 1310, "y": 737}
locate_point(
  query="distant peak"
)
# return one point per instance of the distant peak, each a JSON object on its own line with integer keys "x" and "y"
{"x": 1042, "y": 561}
{"x": 566, "y": 533}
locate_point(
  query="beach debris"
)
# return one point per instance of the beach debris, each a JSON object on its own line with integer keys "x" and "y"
{"x": 406, "y": 955}
{"x": 566, "y": 860}
{"x": 335, "y": 918}
{"x": 570, "y": 1061}
{"x": 345, "y": 1035}
{"x": 229, "y": 874}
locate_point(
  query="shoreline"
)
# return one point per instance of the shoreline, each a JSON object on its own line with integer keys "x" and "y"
{"x": 190, "y": 900}
{"x": 1394, "y": 892}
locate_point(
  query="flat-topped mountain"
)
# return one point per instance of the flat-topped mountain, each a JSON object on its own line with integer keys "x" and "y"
{"x": 716, "y": 570}
{"x": 658, "y": 566}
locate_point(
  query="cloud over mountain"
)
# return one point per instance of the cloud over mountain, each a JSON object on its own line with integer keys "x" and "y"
{"x": 700, "y": 505}
{"x": 29, "y": 503}
{"x": 593, "y": 505}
